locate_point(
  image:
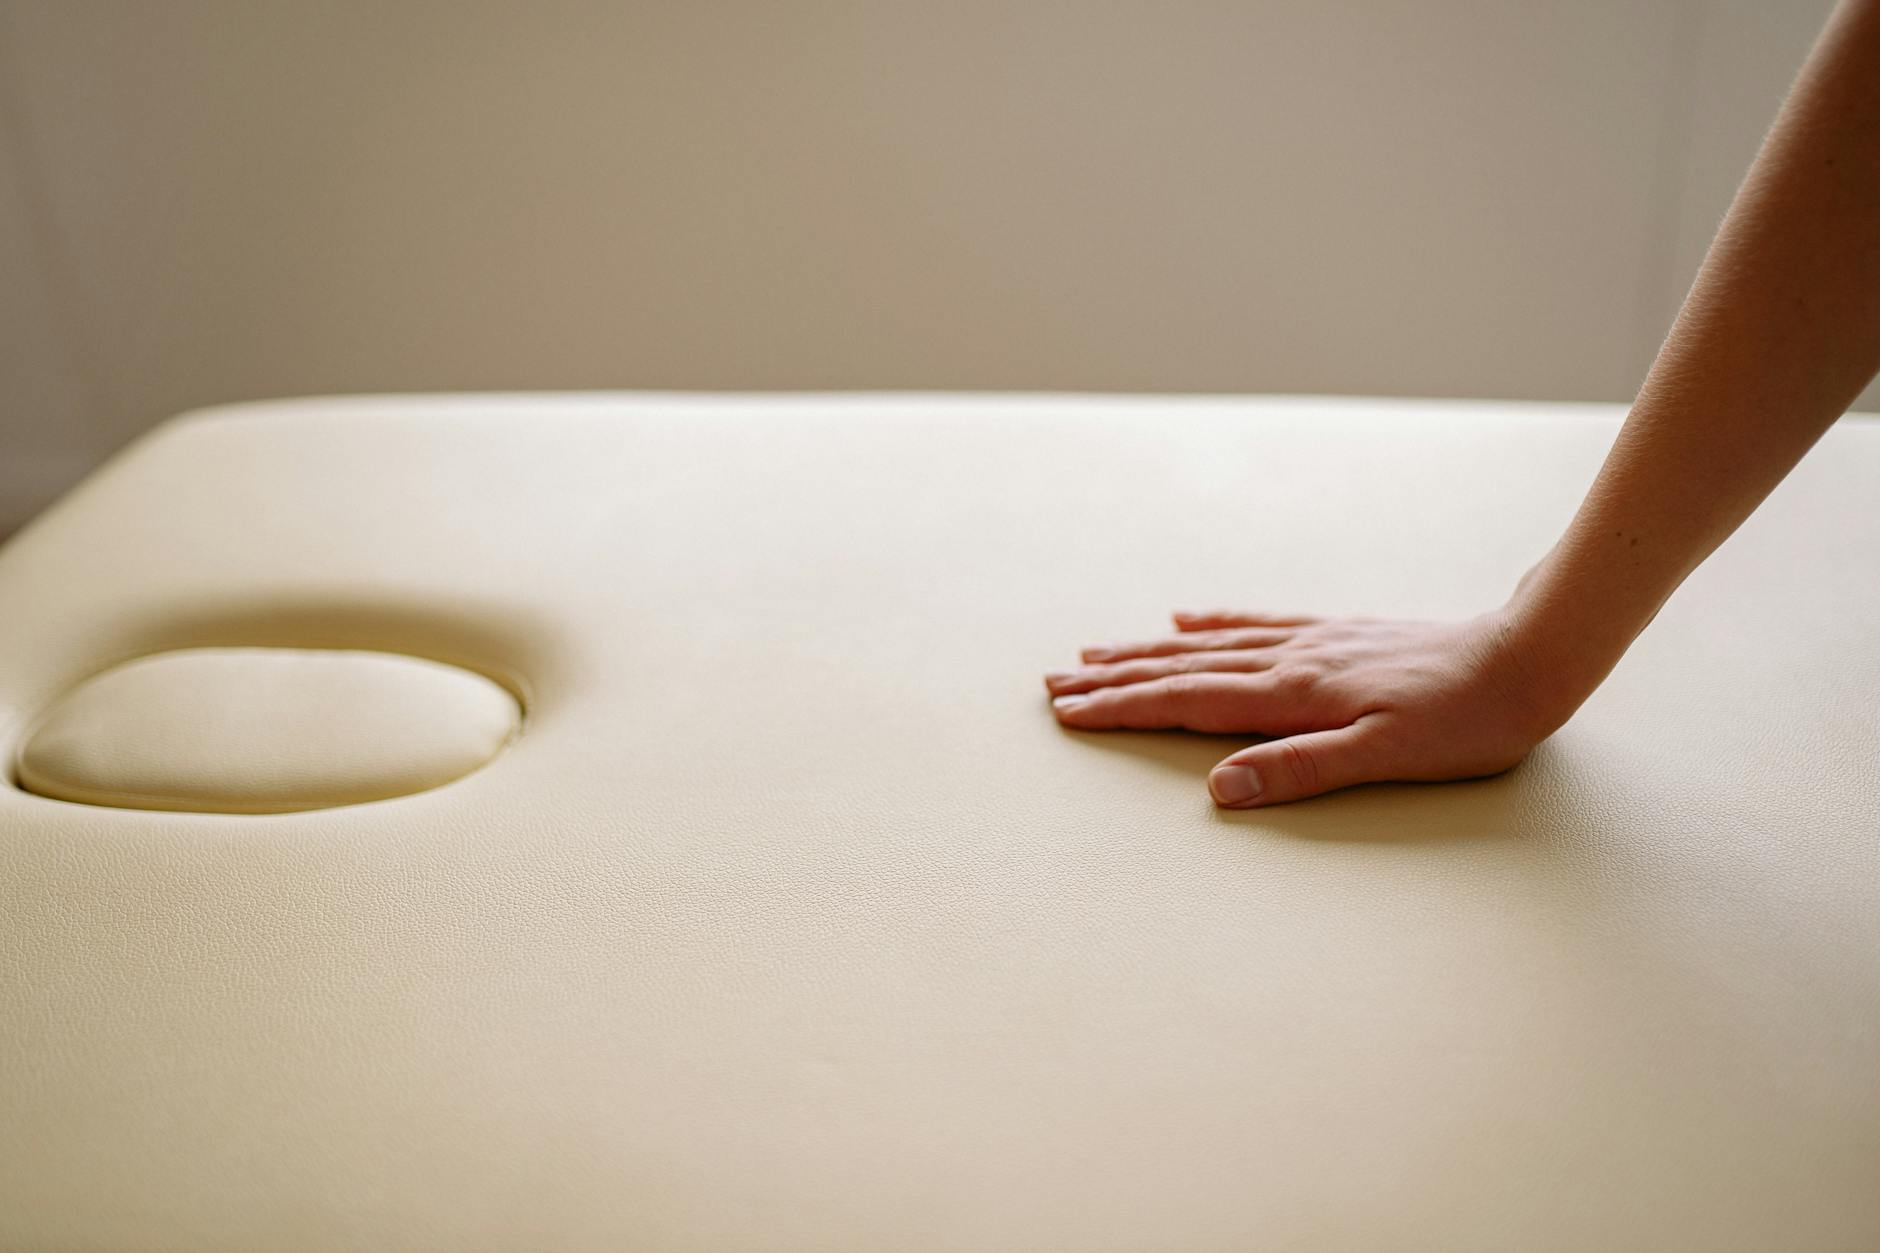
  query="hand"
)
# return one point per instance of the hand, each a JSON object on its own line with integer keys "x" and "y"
{"x": 1356, "y": 700}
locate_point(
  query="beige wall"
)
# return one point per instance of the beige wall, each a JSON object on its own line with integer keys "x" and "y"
{"x": 207, "y": 201}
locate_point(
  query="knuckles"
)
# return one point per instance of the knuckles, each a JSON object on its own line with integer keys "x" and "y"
{"x": 1183, "y": 689}
{"x": 1298, "y": 680}
{"x": 1300, "y": 767}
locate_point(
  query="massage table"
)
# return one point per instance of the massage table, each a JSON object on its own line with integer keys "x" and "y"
{"x": 635, "y": 821}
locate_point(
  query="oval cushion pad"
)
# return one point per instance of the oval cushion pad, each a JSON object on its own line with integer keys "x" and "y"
{"x": 265, "y": 730}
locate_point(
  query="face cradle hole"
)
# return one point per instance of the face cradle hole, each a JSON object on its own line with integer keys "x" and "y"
{"x": 256, "y": 730}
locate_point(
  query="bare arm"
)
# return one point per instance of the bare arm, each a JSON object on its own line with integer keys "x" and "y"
{"x": 1779, "y": 334}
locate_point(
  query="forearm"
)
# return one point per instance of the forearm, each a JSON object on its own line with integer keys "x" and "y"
{"x": 1778, "y": 336}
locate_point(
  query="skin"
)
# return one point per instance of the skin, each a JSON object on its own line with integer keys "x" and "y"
{"x": 1779, "y": 334}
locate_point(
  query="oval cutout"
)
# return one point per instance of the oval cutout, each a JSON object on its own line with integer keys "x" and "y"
{"x": 265, "y": 730}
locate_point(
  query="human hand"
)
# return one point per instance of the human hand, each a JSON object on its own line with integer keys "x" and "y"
{"x": 1354, "y": 700}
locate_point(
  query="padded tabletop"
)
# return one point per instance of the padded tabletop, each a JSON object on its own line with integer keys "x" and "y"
{"x": 791, "y": 920}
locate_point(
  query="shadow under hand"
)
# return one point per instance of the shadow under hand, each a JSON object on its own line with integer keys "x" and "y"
{"x": 1505, "y": 807}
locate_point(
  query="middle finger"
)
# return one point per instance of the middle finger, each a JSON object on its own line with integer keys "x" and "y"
{"x": 1148, "y": 669}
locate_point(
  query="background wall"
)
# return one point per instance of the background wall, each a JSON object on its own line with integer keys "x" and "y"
{"x": 204, "y": 201}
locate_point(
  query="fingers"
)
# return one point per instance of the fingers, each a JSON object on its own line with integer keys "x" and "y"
{"x": 1090, "y": 678}
{"x": 1299, "y": 766}
{"x": 1217, "y": 619}
{"x": 1194, "y": 642}
{"x": 1199, "y": 701}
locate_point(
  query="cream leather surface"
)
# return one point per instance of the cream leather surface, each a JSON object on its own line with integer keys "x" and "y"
{"x": 792, "y": 920}
{"x": 265, "y": 730}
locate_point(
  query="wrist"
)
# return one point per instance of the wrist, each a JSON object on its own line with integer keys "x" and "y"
{"x": 1544, "y": 692}
{"x": 1562, "y": 638}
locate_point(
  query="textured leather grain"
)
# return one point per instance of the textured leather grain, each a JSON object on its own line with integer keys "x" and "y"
{"x": 265, "y": 730}
{"x": 793, "y": 921}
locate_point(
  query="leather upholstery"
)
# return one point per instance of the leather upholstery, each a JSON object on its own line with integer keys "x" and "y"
{"x": 792, "y": 920}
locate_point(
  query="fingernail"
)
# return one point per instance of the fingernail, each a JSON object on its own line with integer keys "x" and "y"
{"x": 1234, "y": 785}
{"x": 1099, "y": 653}
{"x": 1055, "y": 677}
{"x": 1064, "y": 704}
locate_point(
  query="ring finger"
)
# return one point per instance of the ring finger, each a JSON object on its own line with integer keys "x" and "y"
{"x": 1189, "y": 642}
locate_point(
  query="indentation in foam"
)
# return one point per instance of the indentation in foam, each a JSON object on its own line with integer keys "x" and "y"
{"x": 265, "y": 730}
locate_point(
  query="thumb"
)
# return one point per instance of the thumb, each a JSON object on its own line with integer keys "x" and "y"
{"x": 1298, "y": 766}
